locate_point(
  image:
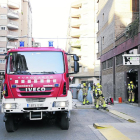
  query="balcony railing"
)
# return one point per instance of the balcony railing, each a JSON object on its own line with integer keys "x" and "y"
{"x": 77, "y": 4}
{"x": 76, "y": 13}
{"x": 75, "y": 33}
{"x": 12, "y": 14}
{"x": 12, "y": 34}
{"x": 12, "y": 24}
{"x": 75, "y": 43}
{"x": 130, "y": 31}
{"x": 13, "y": 3}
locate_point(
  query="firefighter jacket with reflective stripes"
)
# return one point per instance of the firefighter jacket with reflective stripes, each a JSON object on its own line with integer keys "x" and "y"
{"x": 84, "y": 90}
{"x": 94, "y": 87}
{"x": 98, "y": 91}
{"x": 131, "y": 87}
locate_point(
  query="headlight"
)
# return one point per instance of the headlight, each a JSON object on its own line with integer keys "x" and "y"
{"x": 10, "y": 105}
{"x": 60, "y": 104}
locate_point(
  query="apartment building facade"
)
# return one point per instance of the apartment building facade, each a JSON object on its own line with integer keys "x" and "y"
{"x": 82, "y": 30}
{"x": 15, "y": 23}
{"x": 117, "y": 20}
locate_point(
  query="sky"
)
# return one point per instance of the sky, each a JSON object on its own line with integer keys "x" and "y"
{"x": 50, "y": 20}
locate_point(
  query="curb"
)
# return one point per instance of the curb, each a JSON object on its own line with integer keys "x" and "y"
{"x": 83, "y": 107}
{"x": 122, "y": 115}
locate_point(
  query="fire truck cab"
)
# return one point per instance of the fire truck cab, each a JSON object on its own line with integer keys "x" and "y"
{"x": 36, "y": 86}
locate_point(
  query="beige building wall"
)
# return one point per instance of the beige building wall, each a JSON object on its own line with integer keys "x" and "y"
{"x": 113, "y": 17}
{"x": 15, "y": 21}
{"x": 82, "y": 30}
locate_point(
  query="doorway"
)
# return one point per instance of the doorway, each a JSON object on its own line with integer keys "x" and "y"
{"x": 133, "y": 76}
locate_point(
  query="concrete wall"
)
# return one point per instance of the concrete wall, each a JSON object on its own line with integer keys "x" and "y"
{"x": 120, "y": 85}
{"x": 107, "y": 85}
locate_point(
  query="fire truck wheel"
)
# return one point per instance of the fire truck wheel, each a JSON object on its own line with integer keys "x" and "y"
{"x": 10, "y": 124}
{"x": 64, "y": 121}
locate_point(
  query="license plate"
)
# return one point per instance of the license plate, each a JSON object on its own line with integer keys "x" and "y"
{"x": 34, "y": 105}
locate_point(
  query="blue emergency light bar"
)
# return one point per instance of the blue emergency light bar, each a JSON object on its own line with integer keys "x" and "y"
{"x": 50, "y": 43}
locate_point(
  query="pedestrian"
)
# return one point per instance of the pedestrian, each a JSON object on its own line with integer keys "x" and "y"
{"x": 131, "y": 91}
{"x": 85, "y": 90}
{"x": 99, "y": 97}
{"x": 94, "y": 91}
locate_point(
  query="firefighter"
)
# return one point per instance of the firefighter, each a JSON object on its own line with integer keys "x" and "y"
{"x": 99, "y": 97}
{"x": 85, "y": 101}
{"x": 131, "y": 87}
{"x": 94, "y": 92}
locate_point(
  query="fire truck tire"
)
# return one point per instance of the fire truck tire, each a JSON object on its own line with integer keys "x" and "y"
{"x": 10, "y": 125}
{"x": 64, "y": 121}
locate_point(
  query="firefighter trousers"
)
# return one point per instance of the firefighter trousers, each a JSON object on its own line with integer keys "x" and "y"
{"x": 98, "y": 101}
{"x": 85, "y": 101}
{"x": 131, "y": 97}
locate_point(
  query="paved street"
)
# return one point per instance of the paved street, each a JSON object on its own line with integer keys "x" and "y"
{"x": 79, "y": 127}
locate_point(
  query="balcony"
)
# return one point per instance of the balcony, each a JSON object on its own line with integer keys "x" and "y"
{"x": 75, "y": 43}
{"x": 12, "y": 24}
{"x": 11, "y": 45}
{"x": 75, "y": 33}
{"x": 76, "y": 51}
{"x": 76, "y": 23}
{"x": 76, "y": 4}
{"x": 76, "y": 13}
{"x": 13, "y": 3}
{"x": 12, "y": 14}
{"x": 12, "y": 34}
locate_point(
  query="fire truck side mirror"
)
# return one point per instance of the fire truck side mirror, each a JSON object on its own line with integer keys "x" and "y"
{"x": 76, "y": 67}
{"x": 75, "y": 57}
{"x": 6, "y": 57}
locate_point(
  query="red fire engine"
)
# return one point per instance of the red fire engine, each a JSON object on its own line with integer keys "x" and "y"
{"x": 36, "y": 86}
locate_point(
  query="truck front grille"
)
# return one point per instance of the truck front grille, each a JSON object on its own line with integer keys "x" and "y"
{"x": 34, "y": 93}
{"x": 36, "y": 108}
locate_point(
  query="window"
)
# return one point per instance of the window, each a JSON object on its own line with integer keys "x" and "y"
{"x": 2, "y": 61}
{"x": 3, "y": 16}
{"x": 80, "y": 69}
{"x": 3, "y": 28}
{"x": 4, "y": 5}
{"x": 98, "y": 25}
{"x": 135, "y": 5}
{"x": 27, "y": 63}
{"x": 104, "y": 65}
{"x": 103, "y": 40}
{"x": 85, "y": 69}
{"x": 103, "y": 16}
{"x": 98, "y": 46}
{"x": 109, "y": 63}
{"x": 2, "y": 49}
{"x": 119, "y": 59}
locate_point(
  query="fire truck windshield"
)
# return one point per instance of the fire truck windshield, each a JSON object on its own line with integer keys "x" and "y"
{"x": 35, "y": 63}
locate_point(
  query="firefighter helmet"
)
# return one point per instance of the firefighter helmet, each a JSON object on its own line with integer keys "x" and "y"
{"x": 84, "y": 84}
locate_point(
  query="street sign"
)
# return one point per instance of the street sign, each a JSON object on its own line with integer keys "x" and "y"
{"x": 21, "y": 43}
{"x": 131, "y": 59}
{"x": 71, "y": 78}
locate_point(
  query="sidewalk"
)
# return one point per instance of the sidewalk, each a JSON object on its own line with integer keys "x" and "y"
{"x": 123, "y": 108}
{"x": 131, "y": 110}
